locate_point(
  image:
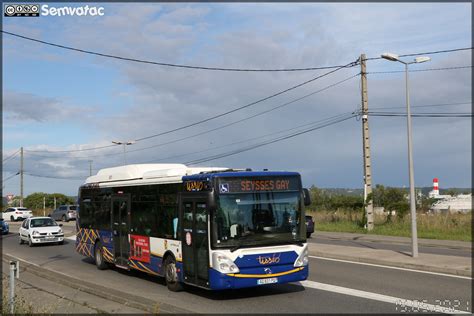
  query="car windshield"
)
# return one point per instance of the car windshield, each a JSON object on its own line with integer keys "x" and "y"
{"x": 43, "y": 222}
{"x": 260, "y": 218}
{"x": 73, "y": 207}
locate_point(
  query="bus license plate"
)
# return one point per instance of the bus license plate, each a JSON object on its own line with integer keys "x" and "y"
{"x": 267, "y": 281}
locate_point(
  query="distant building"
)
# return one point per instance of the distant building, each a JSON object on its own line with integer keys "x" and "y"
{"x": 453, "y": 204}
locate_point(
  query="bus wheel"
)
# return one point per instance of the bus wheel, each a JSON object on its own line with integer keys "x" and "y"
{"x": 171, "y": 275}
{"x": 99, "y": 258}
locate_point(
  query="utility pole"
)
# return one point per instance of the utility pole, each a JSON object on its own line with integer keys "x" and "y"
{"x": 21, "y": 177}
{"x": 44, "y": 205}
{"x": 90, "y": 167}
{"x": 369, "y": 206}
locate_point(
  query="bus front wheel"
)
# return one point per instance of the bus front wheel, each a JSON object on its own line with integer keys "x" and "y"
{"x": 99, "y": 257}
{"x": 171, "y": 275}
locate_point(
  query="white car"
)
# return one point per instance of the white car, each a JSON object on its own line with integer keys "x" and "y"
{"x": 16, "y": 213}
{"x": 40, "y": 230}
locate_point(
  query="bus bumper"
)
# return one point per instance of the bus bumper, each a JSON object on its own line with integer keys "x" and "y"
{"x": 251, "y": 277}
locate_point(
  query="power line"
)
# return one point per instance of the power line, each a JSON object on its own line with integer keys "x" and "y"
{"x": 418, "y": 70}
{"x": 351, "y": 64}
{"x": 69, "y": 151}
{"x": 225, "y": 125}
{"x": 12, "y": 155}
{"x": 10, "y": 177}
{"x": 53, "y": 177}
{"x": 440, "y": 114}
{"x": 238, "y": 151}
{"x": 429, "y": 53}
{"x": 166, "y": 64}
{"x": 249, "y": 139}
{"x": 423, "y": 105}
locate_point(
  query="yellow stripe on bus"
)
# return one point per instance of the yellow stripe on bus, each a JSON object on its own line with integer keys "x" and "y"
{"x": 238, "y": 275}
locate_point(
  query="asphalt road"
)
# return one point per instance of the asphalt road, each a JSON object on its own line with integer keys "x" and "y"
{"x": 400, "y": 247}
{"x": 366, "y": 289}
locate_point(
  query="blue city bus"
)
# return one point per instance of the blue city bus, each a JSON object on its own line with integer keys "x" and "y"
{"x": 215, "y": 228}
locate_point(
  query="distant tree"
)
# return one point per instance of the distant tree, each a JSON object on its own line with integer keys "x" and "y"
{"x": 35, "y": 200}
{"x": 452, "y": 192}
{"x": 392, "y": 199}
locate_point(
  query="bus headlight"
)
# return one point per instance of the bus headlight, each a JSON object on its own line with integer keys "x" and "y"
{"x": 223, "y": 264}
{"x": 302, "y": 259}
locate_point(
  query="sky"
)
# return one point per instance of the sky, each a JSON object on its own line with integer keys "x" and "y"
{"x": 55, "y": 100}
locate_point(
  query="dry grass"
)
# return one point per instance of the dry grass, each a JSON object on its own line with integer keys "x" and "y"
{"x": 41, "y": 212}
{"x": 434, "y": 226}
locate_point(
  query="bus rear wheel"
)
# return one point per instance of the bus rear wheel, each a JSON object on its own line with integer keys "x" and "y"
{"x": 171, "y": 275}
{"x": 99, "y": 257}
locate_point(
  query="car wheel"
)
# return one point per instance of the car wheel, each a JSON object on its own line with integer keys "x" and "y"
{"x": 171, "y": 275}
{"x": 20, "y": 240}
{"x": 64, "y": 219}
{"x": 60, "y": 242}
{"x": 30, "y": 242}
{"x": 308, "y": 235}
{"x": 99, "y": 257}
{"x": 12, "y": 218}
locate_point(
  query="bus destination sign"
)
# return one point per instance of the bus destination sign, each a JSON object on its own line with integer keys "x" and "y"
{"x": 196, "y": 186}
{"x": 245, "y": 185}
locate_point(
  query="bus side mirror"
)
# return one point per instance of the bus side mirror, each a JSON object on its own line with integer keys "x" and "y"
{"x": 211, "y": 201}
{"x": 306, "y": 197}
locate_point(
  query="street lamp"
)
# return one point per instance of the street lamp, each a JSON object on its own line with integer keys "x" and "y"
{"x": 124, "y": 151}
{"x": 414, "y": 238}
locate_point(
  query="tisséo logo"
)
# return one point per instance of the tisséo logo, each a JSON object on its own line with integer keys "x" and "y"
{"x": 29, "y": 10}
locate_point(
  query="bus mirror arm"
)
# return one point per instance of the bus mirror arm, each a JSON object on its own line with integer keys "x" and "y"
{"x": 211, "y": 201}
{"x": 307, "y": 197}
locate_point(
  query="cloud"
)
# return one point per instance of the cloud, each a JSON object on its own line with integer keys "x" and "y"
{"x": 154, "y": 99}
{"x": 23, "y": 106}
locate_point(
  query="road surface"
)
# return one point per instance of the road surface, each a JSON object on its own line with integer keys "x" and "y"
{"x": 332, "y": 287}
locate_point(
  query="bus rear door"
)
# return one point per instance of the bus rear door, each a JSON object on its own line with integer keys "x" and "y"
{"x": 121, "y": 228}
{"x": 195, "y": 244}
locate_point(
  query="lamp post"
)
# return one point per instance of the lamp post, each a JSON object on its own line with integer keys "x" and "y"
{"x": 124, "y": 150}
{"x": 414, "y": 237}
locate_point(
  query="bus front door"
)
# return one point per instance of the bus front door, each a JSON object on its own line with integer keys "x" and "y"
{"x": 121, "y": 227}
{"x": 195, "y": 245}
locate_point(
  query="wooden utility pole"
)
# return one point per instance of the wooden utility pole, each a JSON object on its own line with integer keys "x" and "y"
{"x": 21, "y": 177}
{"x": 369, "y": 207}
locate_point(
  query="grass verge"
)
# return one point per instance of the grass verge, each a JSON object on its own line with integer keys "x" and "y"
{"x": 431, "y": 226}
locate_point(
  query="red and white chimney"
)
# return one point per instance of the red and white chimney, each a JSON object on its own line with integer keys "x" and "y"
{"x": 435, "y": 186}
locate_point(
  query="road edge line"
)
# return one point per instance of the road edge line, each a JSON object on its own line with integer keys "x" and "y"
{"x": 414, "y": 266}
{"x": 392, "y": 267}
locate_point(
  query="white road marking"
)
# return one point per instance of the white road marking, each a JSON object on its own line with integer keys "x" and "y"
{"x": 395, "y": 268}
{"x": 409, "y": 305}
{"x": 401, "y": 304}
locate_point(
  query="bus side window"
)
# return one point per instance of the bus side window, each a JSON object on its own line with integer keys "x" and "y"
{"x": 175, "y": 228}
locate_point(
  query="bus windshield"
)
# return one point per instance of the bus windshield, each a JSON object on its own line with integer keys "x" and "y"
{"x": 258, "y": 219}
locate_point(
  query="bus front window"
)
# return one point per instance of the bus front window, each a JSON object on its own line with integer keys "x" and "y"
{"x": 261, "y": 218}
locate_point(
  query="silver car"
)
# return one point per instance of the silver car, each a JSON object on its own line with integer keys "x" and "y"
{"x": 64, "y": 213}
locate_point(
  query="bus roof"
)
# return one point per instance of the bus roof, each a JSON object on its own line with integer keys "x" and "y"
{"x": 149, "y": 173}
{"x": 243, "y": 173}
{"x": 137, "y": 174}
